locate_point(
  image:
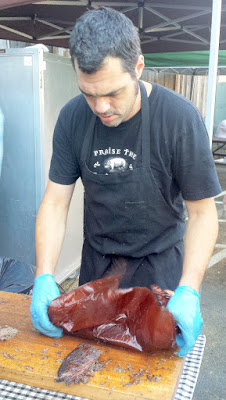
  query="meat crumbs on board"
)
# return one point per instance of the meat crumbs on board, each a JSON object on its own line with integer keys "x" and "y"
{"x": 7, "y": 332}
{"x": 79, "y": 365}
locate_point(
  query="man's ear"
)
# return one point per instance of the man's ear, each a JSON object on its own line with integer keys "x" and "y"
{"x": 139, "y": 66}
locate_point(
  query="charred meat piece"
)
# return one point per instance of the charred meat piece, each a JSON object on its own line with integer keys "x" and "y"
{"x": 79, "y": 365}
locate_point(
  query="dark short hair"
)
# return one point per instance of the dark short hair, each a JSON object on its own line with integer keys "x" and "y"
{"x": 101, "y": 33}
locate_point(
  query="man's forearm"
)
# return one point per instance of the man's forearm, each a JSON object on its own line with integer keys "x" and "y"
{"x": 50, "y": 226}
{"x": 49, "y": 236}
{"x": 200, "y": 239}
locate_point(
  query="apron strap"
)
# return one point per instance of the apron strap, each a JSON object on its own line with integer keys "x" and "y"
{"x": 86, "y": 142}
{"x": 145, "y": 126}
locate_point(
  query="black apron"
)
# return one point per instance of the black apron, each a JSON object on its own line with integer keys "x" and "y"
{"x": 125, "y": 215}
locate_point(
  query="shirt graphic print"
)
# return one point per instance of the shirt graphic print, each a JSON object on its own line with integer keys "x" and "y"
{"x": 116, "y": 149}
{"x": 113, "y": 160}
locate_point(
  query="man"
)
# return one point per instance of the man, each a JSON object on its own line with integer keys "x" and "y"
{"x": 139, "y": 149}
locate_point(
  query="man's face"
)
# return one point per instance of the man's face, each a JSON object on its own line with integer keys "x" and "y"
{"x": 112, "y": 94}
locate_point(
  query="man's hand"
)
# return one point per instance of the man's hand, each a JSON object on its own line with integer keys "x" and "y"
{"x": 44, "y": 291}
{"x": 185, "y": 307}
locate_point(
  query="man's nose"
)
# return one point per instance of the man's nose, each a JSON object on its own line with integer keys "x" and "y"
{"x": 102, "y": 105}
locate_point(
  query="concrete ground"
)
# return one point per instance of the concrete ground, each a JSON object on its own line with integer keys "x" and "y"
{"x": 211, "y": 384}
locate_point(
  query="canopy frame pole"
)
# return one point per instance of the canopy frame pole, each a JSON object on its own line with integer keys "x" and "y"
{"x": 213, "y": 65}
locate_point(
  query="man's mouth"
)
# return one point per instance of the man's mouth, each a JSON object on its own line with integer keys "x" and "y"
{"x": 107, "y": 117}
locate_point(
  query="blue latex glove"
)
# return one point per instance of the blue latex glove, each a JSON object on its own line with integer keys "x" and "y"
{"x": 44, "y": 291}
{"x": 185, "y": 307}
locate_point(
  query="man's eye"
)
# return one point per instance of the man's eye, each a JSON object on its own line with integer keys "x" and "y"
{"x": 115, "y": 94}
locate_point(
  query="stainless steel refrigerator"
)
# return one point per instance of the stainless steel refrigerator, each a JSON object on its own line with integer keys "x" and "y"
{"x": 34, "y": 85}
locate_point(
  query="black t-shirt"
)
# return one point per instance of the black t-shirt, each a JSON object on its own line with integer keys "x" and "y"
{"x": 180, "y": 155}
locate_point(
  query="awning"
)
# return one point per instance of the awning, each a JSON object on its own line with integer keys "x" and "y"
{"x": 163, "y": 26}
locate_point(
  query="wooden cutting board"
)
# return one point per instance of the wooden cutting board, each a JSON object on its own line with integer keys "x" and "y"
{"x": 33, "y": 359}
